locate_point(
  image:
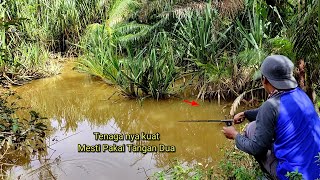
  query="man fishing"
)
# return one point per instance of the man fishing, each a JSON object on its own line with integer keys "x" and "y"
{"x": 284, "y": 132}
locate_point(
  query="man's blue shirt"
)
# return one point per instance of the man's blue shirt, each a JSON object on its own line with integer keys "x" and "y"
{"x": 289, "y": 124}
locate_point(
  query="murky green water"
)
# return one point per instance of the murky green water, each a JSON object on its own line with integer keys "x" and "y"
{"x": 78, "y": 105}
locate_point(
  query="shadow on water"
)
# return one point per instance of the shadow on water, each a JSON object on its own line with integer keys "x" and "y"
{"x": 77, "y": 105}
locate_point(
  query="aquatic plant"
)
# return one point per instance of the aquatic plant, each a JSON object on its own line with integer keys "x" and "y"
{"x": 105, "y": 47}
{"x": 14, "y": 130}
{"x": 207, "y": 51}
{"x": 19, "y": 136}
{"x": 99, "y": 52}
{"x": 152, "y": 71}
{"x": 102, "y": 44}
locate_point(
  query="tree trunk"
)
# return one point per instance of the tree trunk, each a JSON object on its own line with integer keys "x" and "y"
{"x": 309, "y": 89}
{"x": 301, "y": 74}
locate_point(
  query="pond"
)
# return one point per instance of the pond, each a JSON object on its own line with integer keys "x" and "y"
{"x": 79, "y": 107}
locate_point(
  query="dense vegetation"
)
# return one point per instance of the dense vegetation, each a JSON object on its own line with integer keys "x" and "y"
{"x": 143, "y": 47}
{"x": 234, "y": 165}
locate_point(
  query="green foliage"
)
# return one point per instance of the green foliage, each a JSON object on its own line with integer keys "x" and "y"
{"x": 24, "y": 42}
{"x": 19, "y": 132}
{"x": 99, "y": 53}
{"x": 5, "y": 25}
{"x": 254, "y": 32}
{"x": 55, "y": 22}
{"x": 282, "y": 45}
{"x": 306, "y": 39}
{"x": 120, "y": 31}
{"x": 180, "y": 172}
{"x": 201, "y": 34}
{"x": 140, "y": 75}
{"x": 234, "y": 164}
{"x": 202, "y": 45}
{"x": 237, "y": 164}
{"x": 307, "y": 32}
{"x": 120, "y": 10}
{"x": 31, "y": 55}
{"x": 153, "y": 73}
{"x": 149, "y": 74}
{"x": 295, "y": 175}
{"x": 102, "y": 44}
{"x": 257, "y": 29}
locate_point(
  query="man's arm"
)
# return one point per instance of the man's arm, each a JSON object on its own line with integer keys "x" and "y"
{"x": 265, "y": 125}
{"x": 251, "y": 115}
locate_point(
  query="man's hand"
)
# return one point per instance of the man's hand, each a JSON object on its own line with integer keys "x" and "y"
{"x": 239, "y": 118}
{"x": 230, "y": 132}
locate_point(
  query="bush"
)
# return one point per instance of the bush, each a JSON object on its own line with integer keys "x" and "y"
{"x": 237, "y": 164}
{"x": 17, "y": 132}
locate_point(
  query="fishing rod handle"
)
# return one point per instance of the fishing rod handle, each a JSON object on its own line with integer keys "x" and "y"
{"x": 228, "y": 123}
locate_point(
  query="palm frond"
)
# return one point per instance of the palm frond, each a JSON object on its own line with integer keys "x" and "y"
{"x": 132, "y": 37}
{"x": 237, "y": 101}
{"x": 120, "y": 11}
{"x": 126, "y": 28}
{"x": 307, "y": 38}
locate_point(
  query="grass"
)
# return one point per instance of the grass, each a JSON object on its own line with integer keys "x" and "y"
{"x": 67, "y": 25}
{"x": 234, "y": 164}
{"x": 237, "y": 164}
{"x": 178, "y": 171}
{"x": 148, "y": 73}
{"x": 109, "y": 54}
{"x": 98, "y": 52}
{"x": 28, "y": 33}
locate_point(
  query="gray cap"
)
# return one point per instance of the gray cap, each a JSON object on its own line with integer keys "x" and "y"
{"x": 278, "y": 70}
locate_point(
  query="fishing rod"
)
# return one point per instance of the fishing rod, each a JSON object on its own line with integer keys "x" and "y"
{"x": 227, "y": 121}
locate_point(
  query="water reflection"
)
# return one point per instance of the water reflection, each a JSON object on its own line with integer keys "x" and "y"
{"x": 78, "y": 105}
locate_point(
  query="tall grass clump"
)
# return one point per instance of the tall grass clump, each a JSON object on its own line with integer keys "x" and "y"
{"x": 55, "y": 23}
{"x": 227, "y": 53}
{"x": 152, "y": 72}
{"x": 200, "y": 35}
{"x": 98, "y": 54}
{"x": 32, "y": 30}
{"x": 203, "y": 39}
{"x": 109, "y": 53}
{"x": 103, "y": 44}
{"x": 3, "y": 29}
